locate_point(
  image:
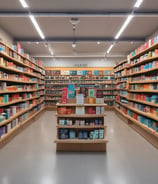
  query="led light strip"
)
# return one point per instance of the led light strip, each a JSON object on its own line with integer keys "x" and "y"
{"x": 109, "y": 49}
{"x": 129, "y": 18}
{"x": 37, "y": 26}
{"x": 23, "y": 3}
{"x": 138, "y": 3}
{"x": 127, "y": 21}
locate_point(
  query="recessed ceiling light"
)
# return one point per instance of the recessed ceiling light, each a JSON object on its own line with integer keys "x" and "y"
{"x": 37, "y": 42}
{"x": 98, "y": 42}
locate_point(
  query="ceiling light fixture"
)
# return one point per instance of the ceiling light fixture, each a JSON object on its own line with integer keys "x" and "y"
{"x": 74, "y": 22}
{"x": 73, "y": 45}
{"x": 138, "y": 3}
{"x": 24, "y": 4}
{"x": 109, "y": 49}
{"x": 129, "y": 18}
{"x": 38, "y": 29}
{"x": 98, "y": 42}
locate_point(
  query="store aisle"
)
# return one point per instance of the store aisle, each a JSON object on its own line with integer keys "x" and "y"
{"x": 31, "y": 158}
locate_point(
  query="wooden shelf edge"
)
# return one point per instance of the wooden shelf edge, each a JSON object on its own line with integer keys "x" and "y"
{"x": 18, "y": 127}
{"x": 78, "y": 105}
{"x": 14, "y": 102}
{"x": 17, "y": 61}
{"x": 151, "y": 131}
{"x": 32, "y": 116}
{"x": 81, "y": 141}
{"x": 18, "y": 114}
{"x": 143, "y": 91}
{"x": 84, "y": 115}
{"x": 143, "y": 102}
{"x": 143, "y": 61}
{"x": 147, "y": 81}
{"x": 144, "y": 51}
{"x": 122, "y": 62}
{"x": 149, "y": 115}
{"x": 18, "y": 81}
{"x": 5, "y": 92}
{"x": 81, "y": 126}
{"x": 144, "y": 71}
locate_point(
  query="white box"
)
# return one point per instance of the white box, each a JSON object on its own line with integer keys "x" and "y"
{"x": 80, "y": 110}
{"x": 79, "y": 72}
{"x": 97, "y": 110}
{"x": 80, "y": 99}
{"x": 99, "y": 100}
{"x": 101, "y": 110}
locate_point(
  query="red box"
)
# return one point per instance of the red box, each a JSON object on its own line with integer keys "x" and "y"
{"x": 62, "y": 110}
{"x": 64, "y": 95}
{"x": 68, "y": 111}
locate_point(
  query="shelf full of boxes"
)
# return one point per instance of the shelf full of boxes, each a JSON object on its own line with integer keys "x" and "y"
{"x": 80, "y": 122}
{"x": 59, "y": 78}
{"x": 140, "y": 105}
{"x": 21, "y": 90}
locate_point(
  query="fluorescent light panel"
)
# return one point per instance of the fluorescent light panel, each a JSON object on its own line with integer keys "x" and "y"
{"x": 138, "y": 3}
{"x": 23, "y": 3}
{"x": 109, "y": 49}
{"x": 37, "y": 26}
{"x": 129, "y": 18}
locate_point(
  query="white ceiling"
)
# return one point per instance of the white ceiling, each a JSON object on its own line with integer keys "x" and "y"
{"x": 58, "y": 29}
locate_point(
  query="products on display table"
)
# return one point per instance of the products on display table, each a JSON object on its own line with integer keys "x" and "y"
{"x": 80, "y": 99}
{"x": 64, "y": 95}
{"x": 64, "y": 110}
{"x": 80, "y": 122}
{"x": 80, "y": 110}
{"x": 71, "y": 91}
{"x": 65, "y": 133}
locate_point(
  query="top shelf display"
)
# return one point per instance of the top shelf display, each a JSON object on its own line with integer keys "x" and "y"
{"x": 120, "y": 65}
{"x": 143, "y": 49}
{"x": 78, "y": 72}
{"x": 17, "y": 55}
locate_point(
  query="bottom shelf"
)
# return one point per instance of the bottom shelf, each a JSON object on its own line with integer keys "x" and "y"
{"x": 13, "y": 132}
{"x": 77, "y": 145}
{"x": 148, "y": 133}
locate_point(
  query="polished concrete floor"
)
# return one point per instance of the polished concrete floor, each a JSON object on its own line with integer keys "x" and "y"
{"x": 30, "y": 158}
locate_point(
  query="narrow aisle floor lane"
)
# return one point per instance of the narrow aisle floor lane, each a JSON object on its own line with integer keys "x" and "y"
{"x": 31, "y": 157}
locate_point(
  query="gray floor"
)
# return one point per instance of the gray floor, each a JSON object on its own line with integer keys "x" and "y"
{"x": 31, "y": 158}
